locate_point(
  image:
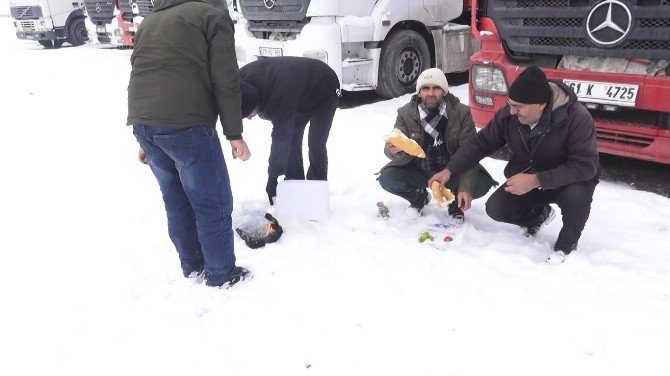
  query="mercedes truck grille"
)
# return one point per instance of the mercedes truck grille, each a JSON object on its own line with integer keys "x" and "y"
{"x": 99, "y": 11}
{"x": 612, "y": 28}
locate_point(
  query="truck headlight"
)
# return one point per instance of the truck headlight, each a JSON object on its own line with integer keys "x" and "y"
{"x": 490, "y": 79}
{"x": 318, "y": 55}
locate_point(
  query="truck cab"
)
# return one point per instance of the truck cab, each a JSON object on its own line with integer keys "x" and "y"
{"x": 370, "y": 44}
{"x": 49, "y": 22}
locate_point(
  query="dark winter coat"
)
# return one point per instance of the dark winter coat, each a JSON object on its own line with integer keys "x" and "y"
{"x": 460, "y": 130}
{"x": 288, "y": 86}
{"x": 185, "y": 70}
{"x": 561, "y": 149}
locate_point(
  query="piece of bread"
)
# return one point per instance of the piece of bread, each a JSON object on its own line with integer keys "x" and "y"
{"x": 409, "y": 146}
{"x": 442, "y": 196}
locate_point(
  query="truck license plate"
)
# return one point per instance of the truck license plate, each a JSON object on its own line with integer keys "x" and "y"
{"x": 100, "y": 29}
{"x": 270, "y": 51}
{"x": 604, "y": 92}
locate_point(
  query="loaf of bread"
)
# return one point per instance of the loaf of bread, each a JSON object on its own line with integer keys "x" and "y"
{"x": 409, "y": 146}
{"x": 442, "y": 196}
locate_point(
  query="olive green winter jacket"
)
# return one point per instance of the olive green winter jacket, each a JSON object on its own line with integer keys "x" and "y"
{"x": 184, "y": 68}
{"x": 460, "y": 130}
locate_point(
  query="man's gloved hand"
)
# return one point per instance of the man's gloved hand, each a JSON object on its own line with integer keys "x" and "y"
{"x": 271, "y": 188}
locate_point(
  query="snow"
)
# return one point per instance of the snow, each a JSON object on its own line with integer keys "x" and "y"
{"x": 91, "y": 283}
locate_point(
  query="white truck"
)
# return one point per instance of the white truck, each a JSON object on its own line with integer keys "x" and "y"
{"x": 102, "y": 23}
{"x": 379, "y": 45}
{"x": 49, "y": 22}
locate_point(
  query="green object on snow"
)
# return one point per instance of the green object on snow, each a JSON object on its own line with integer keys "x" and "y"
{"x": 425, "y": 236}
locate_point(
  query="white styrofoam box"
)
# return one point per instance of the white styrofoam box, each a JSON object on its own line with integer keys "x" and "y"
{"x": 304, "y": 199}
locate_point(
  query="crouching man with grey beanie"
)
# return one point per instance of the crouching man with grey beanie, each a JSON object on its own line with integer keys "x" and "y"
{"x": 437, "y": 121}
{"x": 554, "y": 159}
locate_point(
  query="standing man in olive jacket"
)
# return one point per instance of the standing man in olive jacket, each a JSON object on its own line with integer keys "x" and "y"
{"x": 437, "y": 121}
{"x": 185, "y": 76}
{"x": 554, "y": 159}
{"x": 290, "y": 92}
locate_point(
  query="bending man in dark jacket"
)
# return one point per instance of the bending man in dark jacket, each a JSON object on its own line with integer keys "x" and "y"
{"x": 554, "y": 159}
{"x": 291, "y": 91}
{"x": 184, "y": 76}
{"x": 436, "y": 120}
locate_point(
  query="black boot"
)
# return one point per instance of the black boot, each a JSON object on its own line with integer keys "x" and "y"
{"x": 546, "y": 215}
{"x": 455, "y": 212}
{"x": 236, "y": 275}
{"x": 422, "y": 200}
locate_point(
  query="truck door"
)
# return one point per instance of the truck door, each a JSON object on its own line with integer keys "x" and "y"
{"x": 443, "y": 11}
{"x": 437, "y": 9}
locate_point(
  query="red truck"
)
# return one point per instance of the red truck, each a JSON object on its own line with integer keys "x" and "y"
{"x": 613, "y": 53}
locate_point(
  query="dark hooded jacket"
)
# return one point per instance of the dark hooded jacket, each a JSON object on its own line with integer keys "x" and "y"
{"x": 561, "y": 148}
{"x": 185, "y": 69}
{"x": 289, "y": 86}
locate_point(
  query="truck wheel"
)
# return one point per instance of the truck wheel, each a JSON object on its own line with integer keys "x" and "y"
{"x": 76, "y": 32}
{"x": 404, "y": 56}
{"x": 50, "y": 43}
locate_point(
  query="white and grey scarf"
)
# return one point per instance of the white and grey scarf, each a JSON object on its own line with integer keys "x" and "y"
{"x": 431, "y": 126}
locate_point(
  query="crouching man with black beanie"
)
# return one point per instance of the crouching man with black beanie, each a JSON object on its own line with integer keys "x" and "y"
{"x": 554, "y": 159}
{"x": 290, "y": 92}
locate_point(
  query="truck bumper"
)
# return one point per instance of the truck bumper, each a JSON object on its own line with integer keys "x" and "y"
{"x": 36, "y": 35}
{"x": 321, "y": 37}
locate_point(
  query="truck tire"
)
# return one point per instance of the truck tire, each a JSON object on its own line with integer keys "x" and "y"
{"x": 404, "y": 56}
{"x": 76, "y": 32}
{"x": 50, "y": 43}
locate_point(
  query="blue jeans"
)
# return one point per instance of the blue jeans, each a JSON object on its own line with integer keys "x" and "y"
{"x": 189, "y": 166}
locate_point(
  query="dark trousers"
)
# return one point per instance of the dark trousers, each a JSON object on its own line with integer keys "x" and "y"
{"x": 407, "y": 182}
{"x": 320, "y": 121}
{"x": 574, "y": 200}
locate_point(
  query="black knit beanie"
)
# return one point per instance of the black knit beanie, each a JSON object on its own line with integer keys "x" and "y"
{"x": 250, "y": 98}
{"x": 531, "y": 87}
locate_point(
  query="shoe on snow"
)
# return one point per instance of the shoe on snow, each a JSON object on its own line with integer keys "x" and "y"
{"x": 196, "y": 276}
{"x": 422, "y": 200}
{"x": 546, "y": 216}
{"x": 455, "y": 212}
{"x": 237, "y": 275}
{"x": 556, "y": 257}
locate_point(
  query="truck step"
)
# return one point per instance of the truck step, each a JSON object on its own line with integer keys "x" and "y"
{"x": 357, "y": 87}
{"x": 353, "y": 62}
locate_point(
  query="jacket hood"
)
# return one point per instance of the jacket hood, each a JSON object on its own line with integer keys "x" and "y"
{"x": 164, "y": 4}
{"x": 562, "y": 94}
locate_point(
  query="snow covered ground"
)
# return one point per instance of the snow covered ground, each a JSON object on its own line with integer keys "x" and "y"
{"x": 91, "y": 283}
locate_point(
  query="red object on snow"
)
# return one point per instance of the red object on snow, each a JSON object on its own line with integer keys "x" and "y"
{"x": 448, "y": 238}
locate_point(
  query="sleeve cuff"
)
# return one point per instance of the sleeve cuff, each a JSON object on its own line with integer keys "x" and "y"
{"x": 233, "y": 138}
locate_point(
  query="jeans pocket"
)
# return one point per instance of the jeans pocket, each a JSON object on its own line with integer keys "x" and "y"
{"x": 180, "y": 146}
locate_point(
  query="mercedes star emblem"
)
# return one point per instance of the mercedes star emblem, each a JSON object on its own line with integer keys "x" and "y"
{"x": 609, "y": 22}
{"x": 98, "y": 8}
{"x": 269, "y": 3}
